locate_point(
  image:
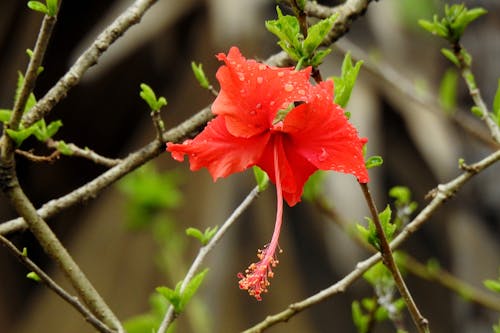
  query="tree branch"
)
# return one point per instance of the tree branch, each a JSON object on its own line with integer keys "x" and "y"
{"x": 205, "y": 250}
{"x": 130, "y": 17}
{"x": 440, "y": 195}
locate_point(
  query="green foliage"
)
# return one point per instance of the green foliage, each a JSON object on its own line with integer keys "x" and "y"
{"x": 33, "y": 276}
{"x": 179, "y": 299}
{"x": 149, "y": 191}
{"x": 345, "y": 82}
{"x": 370, "y": 233}
{"x": 203, "y": 237}
{"x": 477, "y": 111}
{"x": 149, "y": 322}
{"x": 314, "y": 185}
{"x": 495, "y": 107}
{"x": 148, "y": 95}
{"x": 261, "y": 178}
{"x": 40, "y": 129}
{"x": 374, "y": 161}
{"x": 403, "y": 204}
{"x": 456, "y": 18}
{"x": 49, "y": 8}
{"x": 448, "y": 90}
{"x": 64, "y": 148}
{"x": 291, "y": 40}
{"x": 200, "y": 75}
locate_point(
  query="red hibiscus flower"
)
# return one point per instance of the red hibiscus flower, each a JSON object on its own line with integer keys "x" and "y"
{"x": 276, "y": 119}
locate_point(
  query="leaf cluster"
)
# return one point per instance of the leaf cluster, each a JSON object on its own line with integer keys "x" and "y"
{"x": 368, "y": 310}
{"x": 370, "y": 233}
{"x": 48, "y": 8}
{"x": 179, "y": 299}
{"x": 456, "y": 18}
{"x": 302, "y": 49}
{"x": 203, "y": 237}
{"x": 40, "y": 129}
{"x": 148, "y": 95}
{"x": 345, "y": 82}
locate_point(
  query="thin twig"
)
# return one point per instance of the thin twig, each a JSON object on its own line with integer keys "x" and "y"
{"x": 205, "y": 250}
{"x": 131, "y": 16}
{"x": 52, "y": 285}
{"x": 86, "y": 153}
{"x": 474, "y": 91}
{"x": 440, "y": 195}
{"x": 388, "y": 259}
{"x": 37, "y": 158}
{"x": 7, "y": 146}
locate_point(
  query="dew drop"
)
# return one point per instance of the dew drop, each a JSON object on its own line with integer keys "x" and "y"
{"x": 272, "y": 103}
{"x": 301, "y": 92}
{"x": 258, "y": 106}
{"x": 252, "y": 112}
{"x": 260, "y": 79}
{"x": 262, "y": 67}
{"x": 288, "y": 87}
{"x": 323, "y": 155}
{"x": 281, "y": 74}
{"x": 241, "y": 76}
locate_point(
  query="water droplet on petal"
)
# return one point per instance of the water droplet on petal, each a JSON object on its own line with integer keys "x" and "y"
{"x": 272, "y": 103}
{"x": 288, "y": 87}
{"x": 252, "y": 112}
{"x": 262, "y": 67}
{"x": 260, "y": 79}
{"x": 241, "y": 76}
{"x": 281, "y": 74}
{"x": 258, "y": 106}
{"x": 301, "y": 92}
{"x": 323, "y": 155}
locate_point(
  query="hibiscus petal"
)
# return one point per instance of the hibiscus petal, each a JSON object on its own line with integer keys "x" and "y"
{"x": 294, "y": 168}
{"x": 219, "y": 151}
{"x": 252, "y": 93}
{"x": 321, "y": 133}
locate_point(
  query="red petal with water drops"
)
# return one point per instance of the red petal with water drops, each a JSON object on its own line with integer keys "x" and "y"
{"x": 219, "y": 151}
{"x": 252, "y": 93}
{"x": 321, "y": 133}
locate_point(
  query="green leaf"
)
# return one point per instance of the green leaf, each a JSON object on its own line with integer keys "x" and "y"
{"x": 450, "y": 56}
{"x": 38, "y": 6}
{"x": 360, "y": 320}
{"x": 196, "y": 233}
{"x": 148, "y": 95}
{"x": 5, "y": 115}
{"x": 20, "y": 135}
{"x": 33, "y": 276}
{"x": 52, "y": 7}
{"x": 496, "y": 105}
{"x": 209, "y": 233}
{"x": 402, "y": 194}
{"x": 345, "y": 83}
{"x": 43, "y": 133}
{"x": 172, "y": 296}
{"x": 191, "y": 289}
{"x": 476, "y": 110}
{"x": 287, "y": 29}
{"x": 385, "y": 220}
{"x": 493, "y": 285}
{"x": 316, "y": 34}
{"x": 261, "y": 178}
{"x": 64, "y": 148}
{"x": 374, "y": 161}
{"x": 448, "y": 91}
{"x": 200, "y": 75}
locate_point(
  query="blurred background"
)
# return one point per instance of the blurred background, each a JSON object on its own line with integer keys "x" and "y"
{"x": 127, "y": 250}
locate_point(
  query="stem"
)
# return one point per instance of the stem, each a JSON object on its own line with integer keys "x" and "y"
{"x": 388, "y": 259}
{"x": 53, "y": 247}
{"x": 52, "y": 285}
{"x": 205, "y": 250}
{"x": 7, "y": 146}
{"x": 474, "y": 91}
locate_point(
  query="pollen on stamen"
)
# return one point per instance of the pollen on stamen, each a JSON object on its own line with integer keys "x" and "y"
{"x": 256, "y": 278}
